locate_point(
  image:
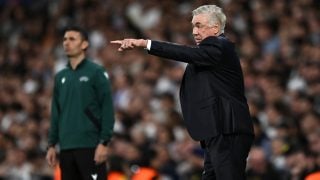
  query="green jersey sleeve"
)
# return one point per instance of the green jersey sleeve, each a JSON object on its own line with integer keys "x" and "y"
{"x": 104, "y": 95}
{"x": 55, "y": 111}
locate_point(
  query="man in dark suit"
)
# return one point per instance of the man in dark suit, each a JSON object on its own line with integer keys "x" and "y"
{"x": 212, "y": 97}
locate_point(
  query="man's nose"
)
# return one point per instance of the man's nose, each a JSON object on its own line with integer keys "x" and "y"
{"x": 195, "y": 31}
{"x": 65, "y": 43}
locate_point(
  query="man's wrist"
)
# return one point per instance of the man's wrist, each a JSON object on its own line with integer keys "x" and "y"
{"x": 50, "y": 146}
{"x": 148, "y": 44}
{"x": 104, "y": 142}
{"x": 143, "y": 43}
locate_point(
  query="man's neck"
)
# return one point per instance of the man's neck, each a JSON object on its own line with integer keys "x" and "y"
{"x": 75, "y": 61}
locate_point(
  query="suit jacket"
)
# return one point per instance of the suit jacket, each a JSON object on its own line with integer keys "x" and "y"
{"x": 212, "y": 89}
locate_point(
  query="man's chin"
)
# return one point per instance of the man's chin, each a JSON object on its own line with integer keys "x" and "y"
{"x": 197, "y": 42}
{"x": 70, "y": 55}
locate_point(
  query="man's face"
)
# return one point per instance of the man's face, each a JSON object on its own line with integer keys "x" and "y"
{"x": 202, "y": 29}
{"x": 73, "y": 44}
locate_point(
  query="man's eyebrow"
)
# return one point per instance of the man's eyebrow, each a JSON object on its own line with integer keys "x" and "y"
{"x": 197, "y": 23}
{"x": 69, "y": 37}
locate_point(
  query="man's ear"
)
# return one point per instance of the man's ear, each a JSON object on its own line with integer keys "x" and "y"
{"x": 216, "y": 29}
{"x": 85, "y": 45}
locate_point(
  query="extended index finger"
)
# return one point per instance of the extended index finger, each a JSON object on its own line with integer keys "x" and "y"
{"x": 116, "y": 42}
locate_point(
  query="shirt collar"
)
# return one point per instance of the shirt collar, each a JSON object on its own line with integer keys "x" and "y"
{"x": 80, "y": 65}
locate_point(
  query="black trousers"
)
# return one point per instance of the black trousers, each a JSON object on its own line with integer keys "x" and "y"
{"x": 226, "y": 156}
{"x": 78, "y": 164}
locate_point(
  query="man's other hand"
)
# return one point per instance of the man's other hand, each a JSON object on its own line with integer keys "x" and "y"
{"x": 51, "y": 156}
{"x": 101, "y": 154}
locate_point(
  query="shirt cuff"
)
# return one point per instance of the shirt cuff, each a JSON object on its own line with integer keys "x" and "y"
{"x": 148, "y": 45}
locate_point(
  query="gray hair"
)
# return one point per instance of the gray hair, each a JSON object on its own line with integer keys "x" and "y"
{"x": 215, "y": 15}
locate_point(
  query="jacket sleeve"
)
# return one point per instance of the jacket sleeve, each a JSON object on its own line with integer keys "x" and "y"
{"x": 104, "y": 96}
{"x": 55, "y": 111}
{"x": 208, "y": 53}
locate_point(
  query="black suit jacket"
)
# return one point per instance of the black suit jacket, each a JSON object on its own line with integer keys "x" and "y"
{"x": 212, "y": 89}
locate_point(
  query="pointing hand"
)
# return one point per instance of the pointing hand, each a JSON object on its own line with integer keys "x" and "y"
{"x": 128, "y": 44}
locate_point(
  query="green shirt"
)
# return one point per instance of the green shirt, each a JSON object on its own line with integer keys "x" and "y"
{"x": 82, "y": 109}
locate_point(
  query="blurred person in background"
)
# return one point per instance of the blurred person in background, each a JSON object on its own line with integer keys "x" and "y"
{"x": 117, "y": 168}
{"x": 260, "y": 138}
{"x": 212, "y": 93}
{"x": 259, "y": 167}
{"x": 301, "y": 163}
{"x": 16, "y": 165}
{"x": 82, "y": 116}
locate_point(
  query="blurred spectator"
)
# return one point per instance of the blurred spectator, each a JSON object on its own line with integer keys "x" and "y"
{"x": 260, "y": 138}
{"x": 118, "y": 169}
{"x": 301, "y": 164}
{"x": 259, "y": 167}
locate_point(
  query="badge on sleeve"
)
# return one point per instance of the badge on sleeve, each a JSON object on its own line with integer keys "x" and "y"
{"x": 106, "y": 75}
{"x": 63, "y": 80}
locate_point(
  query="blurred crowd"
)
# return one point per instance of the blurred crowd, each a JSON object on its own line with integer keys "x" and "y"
{"x": 278, "y": 42}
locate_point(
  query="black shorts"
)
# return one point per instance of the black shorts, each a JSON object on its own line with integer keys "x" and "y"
{"x": 79, "y": 164}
